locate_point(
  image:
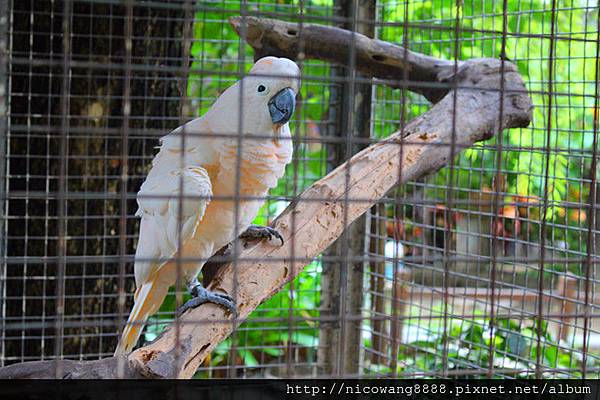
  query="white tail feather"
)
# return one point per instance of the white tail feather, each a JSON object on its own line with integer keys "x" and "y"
{"x": 148, "y": 299}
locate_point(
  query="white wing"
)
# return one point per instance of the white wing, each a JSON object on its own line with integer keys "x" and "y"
{"x": 164, "y": 190}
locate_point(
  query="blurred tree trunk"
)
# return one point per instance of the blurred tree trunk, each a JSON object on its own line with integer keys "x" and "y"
{"x": 94, "y": 163}
{"x": 342, "y": 277}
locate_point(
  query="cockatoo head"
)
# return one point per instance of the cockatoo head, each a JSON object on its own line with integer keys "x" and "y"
{"x": 268, "y": 93}
{"x": 275, "y": 82}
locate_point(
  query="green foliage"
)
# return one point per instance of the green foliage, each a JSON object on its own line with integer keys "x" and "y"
{"x": 514, "y": 346}
{"x": 284, "y": 322}
{"x": 566, "y": 129}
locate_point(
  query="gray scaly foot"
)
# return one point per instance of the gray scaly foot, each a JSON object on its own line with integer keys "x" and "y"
{"x": 202, "y": 295}
{"x": 256, "y": 232}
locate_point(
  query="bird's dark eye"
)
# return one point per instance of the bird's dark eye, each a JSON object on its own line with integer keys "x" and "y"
{"x": 261, "y": 88}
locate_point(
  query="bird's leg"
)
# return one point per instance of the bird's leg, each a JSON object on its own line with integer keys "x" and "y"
{"x": 257, "y": 232}
{"x": 221, "y": 258}
{"x": 201, "y": 295}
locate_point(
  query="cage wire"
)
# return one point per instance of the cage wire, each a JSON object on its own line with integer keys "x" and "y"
{"x": 486, "y": 268}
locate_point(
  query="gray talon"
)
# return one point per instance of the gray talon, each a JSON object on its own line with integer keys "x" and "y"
{"x": 255, "y": 232}
{"x": 202, "y": 295}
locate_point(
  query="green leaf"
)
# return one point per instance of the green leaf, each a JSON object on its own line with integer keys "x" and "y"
{"x": 248, "y": 358}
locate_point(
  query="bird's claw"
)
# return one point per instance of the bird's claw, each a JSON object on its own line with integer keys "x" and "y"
{"x": 202, "y": 295}
{"x": 255, "y": 232}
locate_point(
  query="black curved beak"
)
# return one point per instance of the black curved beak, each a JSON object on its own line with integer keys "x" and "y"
{"x": 282, "y": 105}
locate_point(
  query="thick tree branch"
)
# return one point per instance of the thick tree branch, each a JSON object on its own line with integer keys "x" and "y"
{"x": 321, "y": 213}
{"x": 426, "y": 75}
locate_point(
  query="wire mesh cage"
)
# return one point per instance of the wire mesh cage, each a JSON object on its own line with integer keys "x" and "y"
{"x": 486, "y": 268}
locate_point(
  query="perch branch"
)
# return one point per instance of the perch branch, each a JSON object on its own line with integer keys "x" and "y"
{"x": 426, "y": 75}
{"x": 320, "y": 214}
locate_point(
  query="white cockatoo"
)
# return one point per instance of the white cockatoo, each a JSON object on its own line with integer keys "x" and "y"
{"x": 214, "y": 174}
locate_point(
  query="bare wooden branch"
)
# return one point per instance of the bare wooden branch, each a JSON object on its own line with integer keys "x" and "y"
{"x": 426, "y": 75}
{"x": 98, "y": 369}
{"x": 317, "y": 217}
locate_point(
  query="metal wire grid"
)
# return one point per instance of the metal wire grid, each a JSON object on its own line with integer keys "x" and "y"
{"x": 91, "y": 171}
{"x": 94, "y": 163}
{"x": 98, "y": 237}
{"x": 461, "y": 251}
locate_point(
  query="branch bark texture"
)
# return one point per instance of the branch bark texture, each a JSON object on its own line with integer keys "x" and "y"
{"x": 466, "y": 112}
{"x": 426, "y": 75}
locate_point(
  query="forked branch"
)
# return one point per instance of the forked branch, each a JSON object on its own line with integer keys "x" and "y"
{"x": 486, "y": 96}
